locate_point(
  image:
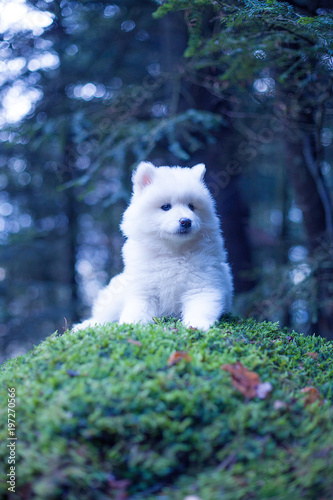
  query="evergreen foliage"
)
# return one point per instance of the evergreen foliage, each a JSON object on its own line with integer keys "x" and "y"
{"x": 101, "y": 414}
{"x": 244, "y": 37}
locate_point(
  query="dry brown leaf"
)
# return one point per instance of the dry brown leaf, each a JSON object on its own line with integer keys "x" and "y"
{"x": 243, "y": 379}
{"x": 312, "y": 395}
{"x": 313, "y": 355}
{"x": 247, "y": 382}
{"x": 134, "y": 342}
{"x": 177, "y": 356}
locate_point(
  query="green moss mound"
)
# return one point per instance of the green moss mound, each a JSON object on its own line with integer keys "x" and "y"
{"x": 101, "y": 415}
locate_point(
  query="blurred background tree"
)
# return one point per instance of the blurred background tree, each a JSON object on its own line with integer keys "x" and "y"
{"x": 89, "y": 88}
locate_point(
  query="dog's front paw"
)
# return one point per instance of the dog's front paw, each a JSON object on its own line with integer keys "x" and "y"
{"x": 84, "y": 324}
{"x": 198, "y": 323}
{"x": 129, "y": 319}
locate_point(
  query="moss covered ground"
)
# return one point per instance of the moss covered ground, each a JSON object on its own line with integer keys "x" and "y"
{"x": 102, "y": 414}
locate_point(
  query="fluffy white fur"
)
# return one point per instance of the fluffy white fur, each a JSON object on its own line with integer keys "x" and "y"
{"x": 170, "y": 270}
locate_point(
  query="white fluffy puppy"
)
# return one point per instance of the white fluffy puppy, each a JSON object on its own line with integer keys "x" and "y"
{"x": 174, "y": 256}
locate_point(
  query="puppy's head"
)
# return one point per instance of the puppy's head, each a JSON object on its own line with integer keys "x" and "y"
{"x": 171, "y": 204}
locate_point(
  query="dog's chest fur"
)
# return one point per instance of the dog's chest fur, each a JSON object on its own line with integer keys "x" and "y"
{"x": 167, "y": 276}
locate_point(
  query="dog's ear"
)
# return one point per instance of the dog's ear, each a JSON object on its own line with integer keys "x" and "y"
{"x": 143, "y": 175}
{"x": 199, "y": 171}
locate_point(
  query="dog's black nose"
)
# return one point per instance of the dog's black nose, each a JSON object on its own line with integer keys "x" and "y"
{"x": 185, "y": 223}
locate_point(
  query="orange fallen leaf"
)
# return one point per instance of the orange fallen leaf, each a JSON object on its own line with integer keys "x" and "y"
{"x": 313, "y": 355}
{"x": 247, "y": 382}
{"x": 134, "y": 342}
{"x": 312, "y": 395}
{"x": 177, "y": 356}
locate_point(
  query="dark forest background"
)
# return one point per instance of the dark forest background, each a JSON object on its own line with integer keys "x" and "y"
{"x": 90, "y": 88}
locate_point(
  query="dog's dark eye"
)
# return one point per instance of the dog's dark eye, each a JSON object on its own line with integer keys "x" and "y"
{"x": 166, "y": 207}
{"x": 191, "y": 207}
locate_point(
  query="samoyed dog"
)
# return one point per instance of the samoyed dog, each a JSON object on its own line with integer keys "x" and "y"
{"x": 175, "y": 263}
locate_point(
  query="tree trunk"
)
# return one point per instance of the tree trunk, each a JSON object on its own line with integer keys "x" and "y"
{"x": 313, "y": 199}
{"x": 222, "y": 174}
